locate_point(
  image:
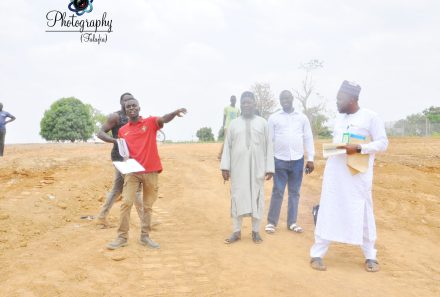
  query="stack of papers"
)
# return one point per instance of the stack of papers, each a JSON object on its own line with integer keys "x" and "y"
{"x": 357, "y": 163}
{"x": 329, "y": 149}
{"x": 128, "y": 166}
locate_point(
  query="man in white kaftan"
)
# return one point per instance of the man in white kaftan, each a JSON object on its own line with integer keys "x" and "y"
{"x": 247, "y": 159}
{"x": 346, "y": 206}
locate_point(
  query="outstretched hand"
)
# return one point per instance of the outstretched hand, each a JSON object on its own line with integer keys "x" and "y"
{"x": 170, "y": 116}
{"x": 180, "y": 112}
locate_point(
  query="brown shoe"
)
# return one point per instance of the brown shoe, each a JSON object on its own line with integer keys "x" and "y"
{"x": 372, "y": 265}
{"x": 117, "y": 243}
{"x": 317, "y": 264}
{"x": 146, "y": 240}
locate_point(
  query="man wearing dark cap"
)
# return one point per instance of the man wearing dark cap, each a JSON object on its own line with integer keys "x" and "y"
{"x": 247, "y": 160}
{"x": 346, "y": 206}
{"x": 3, "y": 122}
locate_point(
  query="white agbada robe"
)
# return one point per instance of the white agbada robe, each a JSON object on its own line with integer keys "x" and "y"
{"x": 346, "y": 201}
{"x": 248, "y": 155}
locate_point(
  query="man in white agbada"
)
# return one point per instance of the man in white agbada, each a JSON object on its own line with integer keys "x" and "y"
{"x": 346, "y": 206}
{"x": 248, "y": 160}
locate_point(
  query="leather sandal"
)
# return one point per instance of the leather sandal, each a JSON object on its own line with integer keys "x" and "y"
{"x": 270, "y": 228}
{"x": 236, "y": 236}
{"x": 372, "y": 265}
{"x": 295, "y": 228}
{"x": 317, "y": 264}
{"x": 256, "y": 237}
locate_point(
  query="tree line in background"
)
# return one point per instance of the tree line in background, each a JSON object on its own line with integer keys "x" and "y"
{"x": 68, "y": 119}
{"x": 425, "y": 123}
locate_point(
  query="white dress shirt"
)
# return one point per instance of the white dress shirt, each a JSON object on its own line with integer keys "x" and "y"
{"x": 291, "y": 133}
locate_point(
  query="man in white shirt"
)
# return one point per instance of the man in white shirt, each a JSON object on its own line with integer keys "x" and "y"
{"x": 291, "y": 133}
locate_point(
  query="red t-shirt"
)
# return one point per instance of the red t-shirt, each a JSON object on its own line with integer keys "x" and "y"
{"x": 141, "y": 141}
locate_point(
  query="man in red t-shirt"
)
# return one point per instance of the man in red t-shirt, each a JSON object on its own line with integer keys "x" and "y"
{"x": 140, "y": 136}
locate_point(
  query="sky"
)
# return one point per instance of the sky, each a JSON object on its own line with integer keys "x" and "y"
{"x": 197, "y": 53}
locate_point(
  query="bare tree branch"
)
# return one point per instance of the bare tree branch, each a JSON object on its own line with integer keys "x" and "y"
{"x": 265, "y": 99}
{"x": 304, "y": 93}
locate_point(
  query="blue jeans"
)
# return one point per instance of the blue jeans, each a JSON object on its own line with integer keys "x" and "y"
{"x": 290, "y": 173}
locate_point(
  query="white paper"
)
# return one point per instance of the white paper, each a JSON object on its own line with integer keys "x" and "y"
{"x": 329, "y": 149}
{"x": 123, "y": 148}
{"x": 129, "y": 166}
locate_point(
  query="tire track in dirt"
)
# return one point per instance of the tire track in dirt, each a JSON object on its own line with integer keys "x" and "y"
{"x": 178, "y": 270}
{"x": 184, "y": 232}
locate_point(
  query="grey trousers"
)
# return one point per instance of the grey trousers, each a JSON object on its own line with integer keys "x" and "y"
{"x": 237, "y": 222}
{"x": 118, "y": 184}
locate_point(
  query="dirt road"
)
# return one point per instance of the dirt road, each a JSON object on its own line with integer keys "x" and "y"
{"x": 46, "y": 249}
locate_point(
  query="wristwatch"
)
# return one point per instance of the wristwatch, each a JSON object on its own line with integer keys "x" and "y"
{"x": 358, "y": 148}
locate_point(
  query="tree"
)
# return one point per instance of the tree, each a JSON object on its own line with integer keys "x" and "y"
{"x": 264, "y": 98}
{"x": 221, "y": 134}
{"x": 98, "y": 118}
{"x": 67, "y": 119}
{"x": 205, "y": 134}
{"x": 433, "y": 114}
{"x": 317, "y": 123}
{"x": 412, "y": 125}
{"x": 316, "y": 113}
{"x": 418, "y": 124}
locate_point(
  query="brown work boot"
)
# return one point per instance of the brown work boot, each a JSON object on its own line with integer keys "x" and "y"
{"x": 117, "y": 243}
{"x": 146, "y": 240}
